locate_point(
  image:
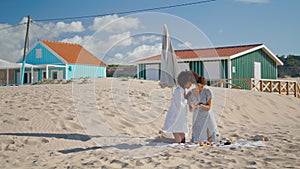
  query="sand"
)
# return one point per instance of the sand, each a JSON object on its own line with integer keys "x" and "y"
{"x": 110, "y": 123}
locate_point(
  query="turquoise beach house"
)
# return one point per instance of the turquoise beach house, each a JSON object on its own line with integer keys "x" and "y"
{"x": 60, "y": 60}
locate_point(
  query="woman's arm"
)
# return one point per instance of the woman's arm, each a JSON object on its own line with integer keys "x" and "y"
{"x": 188, "y": 95}
{"x": 206, "y": 107}
{"x": 178, "y": 98}
{"x": 191, "y": 108}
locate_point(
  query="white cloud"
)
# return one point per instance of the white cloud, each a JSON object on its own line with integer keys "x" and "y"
{"x": 56, "y": 29}
{"x": 12, "y": 40}
{"x": 144, "y": 51}
{"x": 119, "y": 56}
{"x": 122, "y": 47}
{"x": 254, "y": 1}
{"x": 72, "y": 27}
{"x": 114, "y": 23}
{"x": 138, "y": 52}
{"x": 150, "y": 38}
{"x": 117, "y": 38}
{"x": 76, "y": 39}
{"x": 146, "y": 39}
{"x": 99, "y": 46}
{"x": 186, "y": 44}
{"x": 122, "y": 39}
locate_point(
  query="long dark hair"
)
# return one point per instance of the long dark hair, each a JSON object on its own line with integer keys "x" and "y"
{"x": 201, "y": 80}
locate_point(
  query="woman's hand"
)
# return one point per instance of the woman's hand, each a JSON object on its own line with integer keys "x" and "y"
{"x": 201, "y": 106}
{"x": 193, "y": 105}
{"x": 206, "y": 107}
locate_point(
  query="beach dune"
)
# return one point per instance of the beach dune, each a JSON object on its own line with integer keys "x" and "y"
{"x": 110, "y": 123}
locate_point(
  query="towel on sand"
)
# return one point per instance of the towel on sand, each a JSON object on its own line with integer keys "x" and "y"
{"x": 238, "y": 143}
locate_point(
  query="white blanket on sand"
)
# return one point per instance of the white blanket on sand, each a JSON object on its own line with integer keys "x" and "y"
{"x": 239, "y": 143}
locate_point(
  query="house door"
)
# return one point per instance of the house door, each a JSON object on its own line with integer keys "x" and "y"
{"x": 54, "y": 75}
{"x": 35, "y": 76}
{"x": 257, "y": 74}
{"x": 257, "y": 70}
{"x": 27, "y": 78}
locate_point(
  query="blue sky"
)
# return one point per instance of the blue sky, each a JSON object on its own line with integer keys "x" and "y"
{"x": 125, "y": 37}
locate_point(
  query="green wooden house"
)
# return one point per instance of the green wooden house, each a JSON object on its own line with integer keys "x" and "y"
{"x": 231, "y": 62}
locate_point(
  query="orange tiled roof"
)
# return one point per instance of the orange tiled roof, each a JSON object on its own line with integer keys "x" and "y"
{"x": 205, "y": 53}
{"x": 73, "y": 53}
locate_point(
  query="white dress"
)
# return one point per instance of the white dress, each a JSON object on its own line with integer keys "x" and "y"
{"x": 176, "y": 119}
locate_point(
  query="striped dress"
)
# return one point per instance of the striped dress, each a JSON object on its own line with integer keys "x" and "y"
{"x": 203, "y": 120}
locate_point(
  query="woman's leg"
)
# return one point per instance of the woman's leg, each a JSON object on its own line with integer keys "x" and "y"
{"x": 209, "y": 136}
{"x": 179, "y": 137}
{"x": 182, "y": 137}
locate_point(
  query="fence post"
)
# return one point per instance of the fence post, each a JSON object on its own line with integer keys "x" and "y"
{"x": 261, "y": 85}
{"x": 222, "y": 83}
{"x": 295, "y": 89}
{"x": 271, "y": 86}
{"x": 298, "y": 88}
{"x": 287, "y": 88}
{"x": 279, "y": 87}
{"x": 248, "y": 86}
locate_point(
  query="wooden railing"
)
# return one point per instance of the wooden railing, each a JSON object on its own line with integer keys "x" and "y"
{"x": 286, "y": 87}
{"x": 241, "y": 83}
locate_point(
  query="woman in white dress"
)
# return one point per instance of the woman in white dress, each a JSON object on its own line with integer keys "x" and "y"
{"x": 204, "y": 124}
{"x": 176, "y": 119}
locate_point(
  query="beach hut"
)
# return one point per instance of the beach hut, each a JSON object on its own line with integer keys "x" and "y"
{"x": 231, "y": 62}
{"x": 53, "y": 60}
{"x": 61, "y": 60}
{"x": 8, "y": 74}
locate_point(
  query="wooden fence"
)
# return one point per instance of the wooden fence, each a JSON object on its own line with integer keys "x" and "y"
{"x": 286, "y": 87}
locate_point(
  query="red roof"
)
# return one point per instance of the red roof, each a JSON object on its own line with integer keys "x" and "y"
{"x": 73, "y": 53}
{"x": 205, "y": 53}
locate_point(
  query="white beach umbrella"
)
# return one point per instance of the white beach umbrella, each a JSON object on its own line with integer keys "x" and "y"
{"x": 169, "y": 65}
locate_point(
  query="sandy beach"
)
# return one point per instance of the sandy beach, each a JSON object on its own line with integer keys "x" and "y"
{"x": 110, "y": 123}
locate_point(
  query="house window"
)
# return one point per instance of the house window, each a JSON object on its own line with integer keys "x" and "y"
{"x": 233, "y": 69}
{"x": 38, "y": 53}
{"x": 54, "y": 75}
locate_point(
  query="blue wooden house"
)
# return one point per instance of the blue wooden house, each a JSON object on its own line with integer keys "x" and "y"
{"x": 60, "y": 60}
